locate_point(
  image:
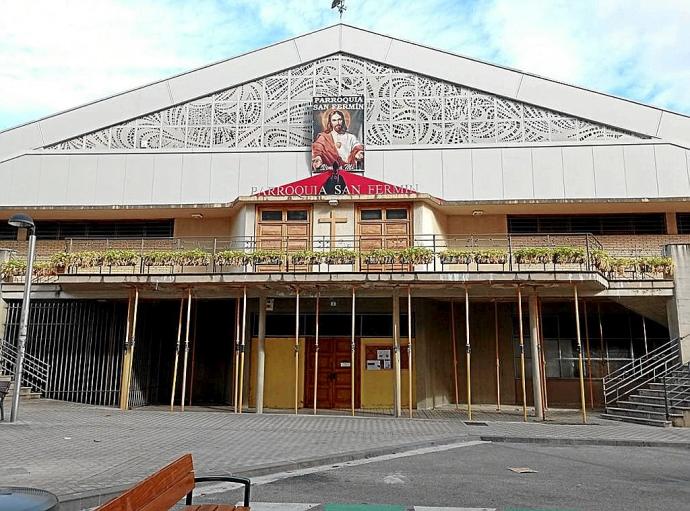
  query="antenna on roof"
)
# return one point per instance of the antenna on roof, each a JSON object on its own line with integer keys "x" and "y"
{"x": 340, "y": 5}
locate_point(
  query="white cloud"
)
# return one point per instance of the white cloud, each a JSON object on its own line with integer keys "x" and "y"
{"x": 63, "y": 53}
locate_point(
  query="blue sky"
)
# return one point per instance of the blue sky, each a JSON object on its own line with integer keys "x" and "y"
{"x": 58, "y": 54}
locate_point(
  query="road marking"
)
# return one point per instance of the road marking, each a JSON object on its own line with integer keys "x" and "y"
{"x": 279, "y": 506}
{"x": 395, "y": 479}
{"x": 211, "y": 489}
{"x": 425, "y": 508}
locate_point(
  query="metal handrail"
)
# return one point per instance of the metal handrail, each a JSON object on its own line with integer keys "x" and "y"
{"x": 642, "y": 371}
{"x": 35, "y": 371}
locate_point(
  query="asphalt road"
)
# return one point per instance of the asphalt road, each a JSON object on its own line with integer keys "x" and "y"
{"x": 610, "y": 478}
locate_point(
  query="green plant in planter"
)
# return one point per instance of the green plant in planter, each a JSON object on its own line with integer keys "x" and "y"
{"x": 339, "y": 256}
{"x": 601, "y": 260}
{"x": 193, "y": 257}
{"x": 457, "y": 256}
{"x": 265, "y": 257}
{"x": 416, "y": 255}
{"x": 655, "y": 264}
{"x": 382, "y": 256}
{"x": 568, "y": 255}
{"x": 62, "y": 260}
{"x": 620, "y": 265}
{"x": 232, "y": 258}
{"x": 533, "y": 255}
{"x": 17, "y": 268}
{"x": 120, "y": 257}
{"x": 160, "y": 258}
{"x": 305, "y": 257}
{"x": 491, "y": 256}
{"x": 43, "y": 269}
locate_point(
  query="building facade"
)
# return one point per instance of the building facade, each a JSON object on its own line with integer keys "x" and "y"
{"x": 488, "y": 236}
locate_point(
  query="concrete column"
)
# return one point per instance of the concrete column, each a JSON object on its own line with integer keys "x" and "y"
{"x": 678, "y": 308}
{"x": 396, "y": 353}
{"x": 536, "y": 366}
{"x": 261, "y": 356}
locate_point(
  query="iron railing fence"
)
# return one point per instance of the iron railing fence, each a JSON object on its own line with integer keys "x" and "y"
{"x": 363, "y": 252}
{"x": 648, "y": 368}
{"x": 35, "y": 372}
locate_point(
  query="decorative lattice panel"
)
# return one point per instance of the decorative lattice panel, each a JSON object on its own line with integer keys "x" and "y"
{"x": 401, "y": 108}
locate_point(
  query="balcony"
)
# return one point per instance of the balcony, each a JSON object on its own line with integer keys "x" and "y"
{"x": 501, "y": 254}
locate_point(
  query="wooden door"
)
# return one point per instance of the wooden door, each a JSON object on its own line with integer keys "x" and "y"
{"x": 382, "y": 227}
{"x": 283, "y": 229}
{"x": 334, "y": 376}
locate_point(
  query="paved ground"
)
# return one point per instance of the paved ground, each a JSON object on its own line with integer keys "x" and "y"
{"x": 76, "y": 450}
{"x": 478, "y": 475}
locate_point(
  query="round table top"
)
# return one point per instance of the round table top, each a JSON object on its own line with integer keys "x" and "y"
{"x": 27, "y": 499}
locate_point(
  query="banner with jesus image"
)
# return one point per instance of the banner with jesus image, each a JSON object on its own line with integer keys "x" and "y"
{"x": 338, "y": 134}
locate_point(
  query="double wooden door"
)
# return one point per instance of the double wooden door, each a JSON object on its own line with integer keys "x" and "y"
{"x": 334, "y": 389}
{"x": 384, "y": 227}
{"x": 283, "y": 229}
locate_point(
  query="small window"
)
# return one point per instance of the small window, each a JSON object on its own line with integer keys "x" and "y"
{"x": 396, "y": 214}
{"x": 371, "y": 214}
{"x": 297, "y": 215}
{"x": 271, "y": 216}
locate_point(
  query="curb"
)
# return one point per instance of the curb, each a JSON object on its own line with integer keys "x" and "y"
{"x": 584, "y": 441}
{"x": 88, "y": 500}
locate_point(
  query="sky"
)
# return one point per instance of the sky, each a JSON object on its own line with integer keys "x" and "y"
{"x": 58, "y": 54}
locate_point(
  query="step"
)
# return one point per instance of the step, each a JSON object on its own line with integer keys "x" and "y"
{"x": 652, "y": 401}
{"x": 656, "y": 407}
{"x": 669, "y": 384}
{"x": 634, "y": 412}
{"x": 637, "y": 420}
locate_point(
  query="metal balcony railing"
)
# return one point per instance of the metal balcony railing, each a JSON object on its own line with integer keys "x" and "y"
{"x": 332, "y": 254}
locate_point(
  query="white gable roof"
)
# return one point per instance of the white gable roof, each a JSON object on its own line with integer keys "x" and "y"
{"x": 602, "y": 108}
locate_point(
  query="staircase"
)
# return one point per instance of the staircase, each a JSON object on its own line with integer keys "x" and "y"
{"x": 652, "y": 390}
{"x": 34, "y": 373}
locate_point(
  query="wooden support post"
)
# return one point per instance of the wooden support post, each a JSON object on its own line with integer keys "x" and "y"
{"x": 536, "y": 364}
{"x": 186, "y": 348}
{"x": 522, "y": 356}
{"x": 498, "y": 359}
{"x": 128, "y": 356}
{"x": 455, "y": 352}
{"x": 193, "y": 361}
{"x": 644, "y": 333}
{"x": 236, "y": 365}
{"x": 409, "y": 349}
{"x": 316, "y": 350}
{"x": 397, "y": 398}
{"x": 605, "y": 369}
{"x": 543, "y": 359}
{"x": 579, "y": 356}
{"x": 177, "y": 355}
{"x": 468, "y": 351}
{"x": 242, "y": 347}
{"x": 296, "y": 350}
{"x": 352, "y": 355}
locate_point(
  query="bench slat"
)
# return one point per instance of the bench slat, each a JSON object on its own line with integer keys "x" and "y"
{"x": 159, "y": 491}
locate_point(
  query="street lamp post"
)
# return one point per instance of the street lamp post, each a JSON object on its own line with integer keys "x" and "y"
{"x": 22, "y": 221}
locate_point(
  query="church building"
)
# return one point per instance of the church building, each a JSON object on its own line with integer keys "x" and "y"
{"x": 347, "y": 221}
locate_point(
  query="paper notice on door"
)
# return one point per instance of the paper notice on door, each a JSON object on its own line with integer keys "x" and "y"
{"x": 386, "y": 364}
{"x": 383, "y": 354}
{"x": 345, "y": 364}
{"x": 373, "y": 365}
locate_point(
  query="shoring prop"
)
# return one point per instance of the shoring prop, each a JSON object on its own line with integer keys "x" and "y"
{"x": 177, "y": 355}
{"x": 236, "y": 365}
{"x": 644, "y": 334}
{"x": 589, "y": 356}
{"x": 352, "y": 355}
{"x": 542, "y": 359}
{"x": 193, "y": 361}
{"x": 468, "y": 351}
{"x": 604, "y": 353}
{"x": 129, "y": 349}
{"x": 409, "y": 348}
{"x": 186, "y": 348}
{"x": 316, "y": 350}
{"x": 498, "y": 359}
{"x": 397, "y": 400}
{"x": 242, "y": 346}
{"x": 522, "y": 356}
{"x": 296, "y": 348}
{"x": 579, "y": 355}
{"x": 455, "y": 352}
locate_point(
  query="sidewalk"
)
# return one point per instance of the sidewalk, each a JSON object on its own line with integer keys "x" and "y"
{"x": 79, "y": 451}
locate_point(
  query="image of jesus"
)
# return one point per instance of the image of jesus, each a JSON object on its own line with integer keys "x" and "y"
{"x": 336, "y": 145}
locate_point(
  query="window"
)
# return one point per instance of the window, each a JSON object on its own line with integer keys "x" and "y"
{"x": 629, "y": 223}
{"x": 62, "y": 229}
{"x": 371, "y": 214}
{"x": 297, "y": 215}
{"x": 683, "y": 221}
{"x": 7, "y": 232}
{"x": 268, "y": 215}
{"x": 396, "y": 214}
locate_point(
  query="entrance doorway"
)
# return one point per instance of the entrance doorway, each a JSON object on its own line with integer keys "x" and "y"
{"x": 335, "y": 374}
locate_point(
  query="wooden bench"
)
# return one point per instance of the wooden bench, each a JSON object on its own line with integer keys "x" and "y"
{"x": 4, "y": 389}
{"x": 162, "y": 490}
